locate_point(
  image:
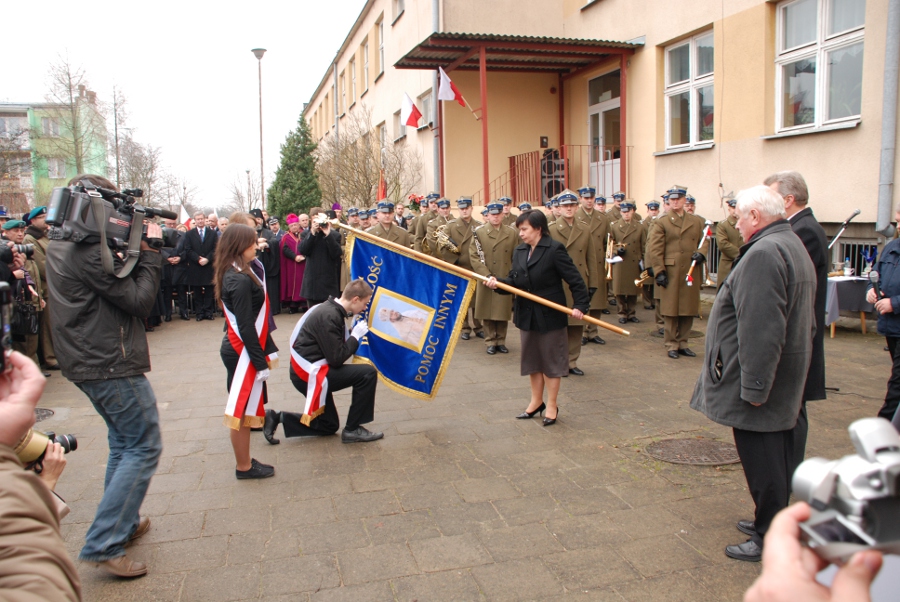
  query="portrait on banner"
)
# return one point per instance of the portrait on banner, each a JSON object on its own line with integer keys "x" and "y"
{"x": 399, "y": 319}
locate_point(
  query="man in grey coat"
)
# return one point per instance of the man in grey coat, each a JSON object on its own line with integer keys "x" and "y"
{"x": 758, "y": 348}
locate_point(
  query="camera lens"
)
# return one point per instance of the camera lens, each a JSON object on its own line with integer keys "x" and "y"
{"x": 68, "y": 442}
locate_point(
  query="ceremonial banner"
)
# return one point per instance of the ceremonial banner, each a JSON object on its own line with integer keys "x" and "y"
{"x": 414, "y": 318}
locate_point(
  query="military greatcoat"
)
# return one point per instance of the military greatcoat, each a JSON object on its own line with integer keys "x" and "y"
{"x": 498, "y": 245}
{"x": 599, "y": 224}
{"x": 422, "y": 227}
{"x": 460, "y": 233}
{"x": 509, "y": 220}
{"x": 634, "y": 237}
{"x": 615, "y": 214}
{"x": 729, "y": 241}
{"x": 672, "y": 241}
{"x": 431, "y": 234}
{"x": 580, "y": 246}
{"x": 393, "y": 233}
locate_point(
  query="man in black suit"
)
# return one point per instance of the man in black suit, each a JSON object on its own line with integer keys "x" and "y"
{"x": 199, "y": 251}
{"x": 399, "y": 219}
{"x": 792, "y": 187}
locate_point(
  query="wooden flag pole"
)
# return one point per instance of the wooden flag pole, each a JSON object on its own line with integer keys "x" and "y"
{"x": 470, "y": 274}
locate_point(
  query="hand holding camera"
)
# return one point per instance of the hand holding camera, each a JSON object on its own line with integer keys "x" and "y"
{"x": 154, "y": 232}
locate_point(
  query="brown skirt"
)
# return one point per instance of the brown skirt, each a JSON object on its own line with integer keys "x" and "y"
{"x": 547, "y": 353}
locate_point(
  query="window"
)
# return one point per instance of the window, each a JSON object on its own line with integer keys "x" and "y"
{"x": 365, "y": 66}
{"x": 343, "y": 106}
{"x": 819, "y": 59}
{"x": 380, "y": 47}
{"x": 49, "y": 126}
{"x": 689, "y": 92}
{"x": 56, "y": 168}
{"x": 398, "y": 5}
{"x": 425, "y": 103}
{"x": 399, "y": 127}
{"x": 382, "y": 135}
{"x": 352, "y": 80}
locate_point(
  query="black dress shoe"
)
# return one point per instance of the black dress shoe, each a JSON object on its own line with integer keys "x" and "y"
{"x": 526, "y": 414}
{"x": 52, "y": 367}
{"x": 258, "y": 470}
{"x": 649, "y": 307}
{"x": 491, "y": 350}
{"x": 199, "y": 318}
{"x": 612, "y": 302}
{"x": 623, "y": 320}
{"x": 633, "y": 319}
{"x": 46, "y": 374}
{"x": 360, "y": 435}
{"x": 502, "y": 349}
{"x": 583, "y": 341}
{"x": 273, "y": 418}
{"x": 292, "y": 310}
{"x": 168, "y": 318}
{"x": 662, "y": 332}
{"x": 480, "y": 335}
{"x": 184, "y": 316}
{"x": 211, "y": 317}
{"x": 673, "y": 355}
{"x": 687, "y": 352}
{"x": 747, "y": 527}
{"x": 576, "y": 371}
{"x": 549, "y": 421}
{"x": 598, "y": 341}
{"x": 747, "y": 551}
{"x": 465, "y": 336}
{"x": 605, "y": 312}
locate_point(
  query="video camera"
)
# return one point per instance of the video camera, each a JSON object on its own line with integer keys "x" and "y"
{"x": 90, "y": 214}
{"x": 855, "y": 500}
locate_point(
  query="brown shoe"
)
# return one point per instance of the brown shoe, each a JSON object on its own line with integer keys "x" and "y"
{"x": 124, "y": 567}
{"x": 143, "y": 527}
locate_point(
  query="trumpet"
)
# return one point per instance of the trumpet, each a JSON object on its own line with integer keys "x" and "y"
{"x": 444, "y": 242}
{"x": 644, "y": 278}
{"x": 609, "y": 256}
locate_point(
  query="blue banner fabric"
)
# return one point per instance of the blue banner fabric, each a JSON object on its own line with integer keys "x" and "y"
{"x": 415, "y": 315}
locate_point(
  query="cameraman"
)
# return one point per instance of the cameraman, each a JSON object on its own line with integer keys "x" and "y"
{"x": 99, "y": 337}
{"x": 34, "y": 564}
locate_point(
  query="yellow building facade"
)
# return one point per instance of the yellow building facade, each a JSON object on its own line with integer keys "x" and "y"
{"x": 634, "y": 95}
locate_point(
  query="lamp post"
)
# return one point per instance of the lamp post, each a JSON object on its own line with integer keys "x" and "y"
{"x": 258, "y": 53}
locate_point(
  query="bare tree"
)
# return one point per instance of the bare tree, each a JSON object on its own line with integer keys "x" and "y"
{"x": 178, "y": 193}
{"x": 15, "y": 164}
{"x": 349, "y": 171}
{"x": 245, "y": 193}
{"x": 74, "y": 127}
{"x": 139, "y": 167}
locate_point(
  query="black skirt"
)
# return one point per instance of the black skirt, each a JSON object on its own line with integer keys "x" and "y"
{"x": 546, "y": 353}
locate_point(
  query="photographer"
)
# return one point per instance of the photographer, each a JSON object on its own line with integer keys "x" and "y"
{"x": 34, "y": 564}
{"x": 322, "y": 249}
{"x": 89, "y": 305}
{"x": 28, "y": 296}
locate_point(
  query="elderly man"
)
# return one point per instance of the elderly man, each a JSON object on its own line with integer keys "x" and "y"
{"x": 759, "y": 338}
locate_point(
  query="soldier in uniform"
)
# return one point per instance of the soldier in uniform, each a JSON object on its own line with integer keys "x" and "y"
{"x": 647, "y": 289}
{"x": 690, "y": 204}
{"x": 364, "y": 219}
{"x": 427, "y": 212}
{"x": 657, "y": 290}
{"x": 387, "y": 228}
{"x": 673, "y": 245}
{"x": 508, "y": 218}
{"x": 598, "y": 223}
{"x": 524, "y": 207}
{"x": 442, "y": 218}
{"x": 629, "y": 238}
{"x": 492, "y": 255}
{"x": 729, "y": 241}
{"x": 575, "y": 233}
{"x": 460, "y": 231}
{"x": 554, "y": 209}
{"x": 353, "y": 218}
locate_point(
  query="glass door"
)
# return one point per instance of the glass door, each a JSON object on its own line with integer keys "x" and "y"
{"x": 603, "y": 132}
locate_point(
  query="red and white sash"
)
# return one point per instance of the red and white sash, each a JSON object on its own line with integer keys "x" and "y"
{"x": 245, "y": 398}
{"x": 314, "y": 373}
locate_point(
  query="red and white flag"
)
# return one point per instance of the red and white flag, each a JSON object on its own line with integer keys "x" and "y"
{"x": 185, "y": 218}
{"x": 447, "y": 90}
{"x": 409, "y": 113}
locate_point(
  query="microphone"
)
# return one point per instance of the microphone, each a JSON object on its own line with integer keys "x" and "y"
{"x": 852, "y": 215}
{"x": 873, "y": 278}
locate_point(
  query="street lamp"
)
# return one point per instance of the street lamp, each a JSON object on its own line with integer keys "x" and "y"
{"x": 258, "y": 53}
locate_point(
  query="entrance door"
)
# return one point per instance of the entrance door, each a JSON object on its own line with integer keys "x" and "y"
{"x": 603, "y": 126}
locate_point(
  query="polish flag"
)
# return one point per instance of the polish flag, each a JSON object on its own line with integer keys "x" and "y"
{"x": 447, "y": 90}
{"x": 409, "y": 114}
{"x": 185, "y": 218}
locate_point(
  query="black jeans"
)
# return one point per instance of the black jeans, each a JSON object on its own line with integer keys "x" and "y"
{"x": 362, "y": 377}
{"x": 204, "y": 300}
{"x": 768, "y": 461}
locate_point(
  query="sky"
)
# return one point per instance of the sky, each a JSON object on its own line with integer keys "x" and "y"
{"x": 187, "y": 72}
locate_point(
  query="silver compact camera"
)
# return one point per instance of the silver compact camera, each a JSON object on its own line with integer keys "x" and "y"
{"x": 855, "y": 500}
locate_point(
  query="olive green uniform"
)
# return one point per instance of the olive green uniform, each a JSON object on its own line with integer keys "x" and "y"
{"x": 598, "y": 223}
{"x": 497, "y": 245}
{"x": 422, "y": 228}
{"x": 40, "y": 258}
{"x": 729, "y": 241}
{"x": 461, "y": 232}
{"x": 634, "y": 238}
{"x": 431, "y": 235}
{"x": 392, "y": 233}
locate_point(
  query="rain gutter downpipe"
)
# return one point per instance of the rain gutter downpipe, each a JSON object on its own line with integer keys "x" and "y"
{"x": 889, "y": 121}
{"x": 435, "y": 103}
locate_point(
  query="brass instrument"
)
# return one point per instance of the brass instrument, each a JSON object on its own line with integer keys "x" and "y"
{"x": 643, "y": 279}
{"x": 609, "y": 256}
{"x": 444, "y": 242}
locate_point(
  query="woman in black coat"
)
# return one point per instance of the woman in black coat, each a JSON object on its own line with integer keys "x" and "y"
{"x": 322, "y": 249}
{"x": 246, "y": 359}
{"x": 539, "y": 266}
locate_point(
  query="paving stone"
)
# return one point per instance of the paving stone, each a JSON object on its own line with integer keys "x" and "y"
{"x": 416, "y": 497}
{"x": 307, "y": 489}
{"x": 369, "y": 592}
{"x": 399, "y": 528}
{"x": 453, "y": 552}
{"x": 523, "y": 541}
{"x": 236, "y": 520}
{"x": 486, "y": 489}
{"x": 361, "y": 505}
{"x": 578, "y": 532}
{"x": 662, "y": 554}
{"x": 525, "y": 579}
{"x": 376, "y": 563}
{"x": 173, "y": 527}
{"x": 333, "y": 537}
{"x": 638, "y": 524}
{"x": 590, "y": 568}
{"x": 300, "y": 574}
{"x": 449, "y": 586}
{"x": 378, "y": 481}
{"x": 461, "y": 518}
{"x": 223, "y": 583}
{"x": 674, "y": 586}
{"x": 302, "y": 514}
{"x": 248, "y": 548}
{"x": 191, "y": 554}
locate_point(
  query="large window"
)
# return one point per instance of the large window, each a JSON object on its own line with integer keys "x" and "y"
{"x": 425, "y": 103}
{"x": 56, "y": 168}
{"x": 399, "y": 127}
{"x": 819, "y": 62}
{"x": 343, "y": 80}
{"x": 352, "y": 80}
{"x": 380, "y": 47}
{"x": 50, "y": 126}
{"x": 689, "y": 92}
{"x": 365, "y": 66}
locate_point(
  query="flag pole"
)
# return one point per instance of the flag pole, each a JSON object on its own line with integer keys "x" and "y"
{"x": 470, "y": 274}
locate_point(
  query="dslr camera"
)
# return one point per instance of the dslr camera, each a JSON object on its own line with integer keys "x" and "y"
{"x": 855, "y": 500}
{"x": 33, "y": 446}
{"x": 6, "y": 252}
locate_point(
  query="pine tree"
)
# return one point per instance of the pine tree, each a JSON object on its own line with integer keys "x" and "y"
{"x": 296, "y": 185}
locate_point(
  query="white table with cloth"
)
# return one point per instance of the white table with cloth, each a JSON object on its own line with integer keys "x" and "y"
{"x": 846, "y": 293}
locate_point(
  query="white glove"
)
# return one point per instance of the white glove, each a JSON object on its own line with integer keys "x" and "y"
{"x": 262, "y": 375}
{"x": 360, "y": 330}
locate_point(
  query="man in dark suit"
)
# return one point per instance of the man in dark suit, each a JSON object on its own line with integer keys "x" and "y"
{"x": 399, "y": 210}
{"x": 792, "y": 187}
{"x": 199, "y": 250}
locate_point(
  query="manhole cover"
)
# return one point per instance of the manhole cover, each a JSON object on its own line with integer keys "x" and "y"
{"x": 697, "y": 452}
{"x": 42, "y": 414}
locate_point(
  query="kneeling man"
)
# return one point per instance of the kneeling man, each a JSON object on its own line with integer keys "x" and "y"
{"x": 320, "y": 345}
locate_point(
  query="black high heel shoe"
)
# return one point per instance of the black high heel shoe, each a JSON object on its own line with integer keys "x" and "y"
{"x": 549, "y": 421}
{"x": 526, "y": 415}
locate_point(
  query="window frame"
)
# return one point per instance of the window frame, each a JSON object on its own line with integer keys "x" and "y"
{"x": 380, "y": 47}
{"x": 53, "y": 165}
{"x": 692, "y": 85}
{"x": 50, "y": 127}
{"x": 399, "y": 126}
{"x": 352, "y": 69}
{"x": 819, "y": 49}
{"x": 427, "y": 111}
{"x": 365, "y": 67}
